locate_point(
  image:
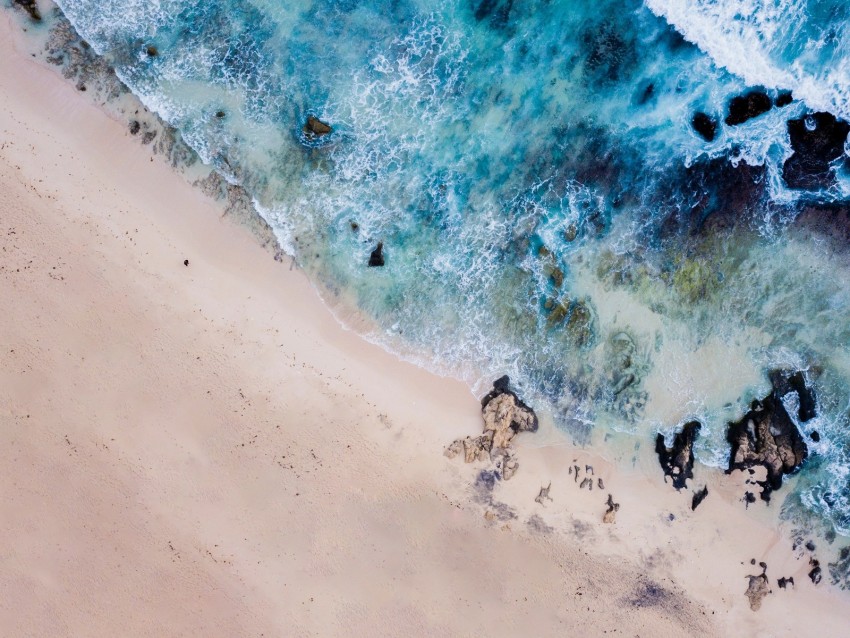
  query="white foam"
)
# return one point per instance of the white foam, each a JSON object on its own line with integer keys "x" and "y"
{"x": 751, "y": 38}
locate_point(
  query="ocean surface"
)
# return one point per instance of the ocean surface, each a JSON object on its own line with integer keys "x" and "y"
{"x": 635, "y": 209}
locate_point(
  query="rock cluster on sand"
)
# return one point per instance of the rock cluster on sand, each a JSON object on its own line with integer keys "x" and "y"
{"x": 505, "y": 415}
{"x": 767, "y": 436}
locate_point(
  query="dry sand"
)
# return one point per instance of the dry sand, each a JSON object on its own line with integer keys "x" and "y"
{"x": 205, "y": 451}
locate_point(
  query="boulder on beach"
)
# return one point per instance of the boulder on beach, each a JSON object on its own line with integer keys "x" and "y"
{"x": 505, "y": 415}
{"x": 316, "y": 128}
{"x": 678, "y": 461}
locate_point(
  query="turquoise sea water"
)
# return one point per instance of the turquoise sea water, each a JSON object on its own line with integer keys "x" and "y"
{"x": 546, "y": 206}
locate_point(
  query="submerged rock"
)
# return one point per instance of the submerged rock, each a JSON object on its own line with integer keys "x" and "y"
{"x": 767, "y": 436}
{"x": 316, "y": 128}
{"x": 817, "y": 140}
{"x": 376, "y": 257}
{"x": 678, "y": 461}
{"x": 705, "y": 125}
{"x": 746, "y": 107}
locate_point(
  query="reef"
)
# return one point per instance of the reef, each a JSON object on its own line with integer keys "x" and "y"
{"x": 505, "y": 416}
{"x": 767, "y": 436}
{"x": 678, "y": 461}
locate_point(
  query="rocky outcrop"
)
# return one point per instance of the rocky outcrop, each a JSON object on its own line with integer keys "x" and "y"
{"x": 746, "y": 107}
{"x": 505, "y": 415}
{"x": 678, "y": 461}
{"x": 376, "y": 257}
{"x": 705, "y": 125}
{"x": 817, "y": 140}
{"x": 316, "y": 128}
{"x": 767, "y": 436}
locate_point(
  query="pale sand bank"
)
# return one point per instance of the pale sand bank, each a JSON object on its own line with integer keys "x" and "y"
{"x": 204, "y": 451}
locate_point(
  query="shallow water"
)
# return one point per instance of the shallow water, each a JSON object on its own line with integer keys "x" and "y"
{"x": 546, "y": 207}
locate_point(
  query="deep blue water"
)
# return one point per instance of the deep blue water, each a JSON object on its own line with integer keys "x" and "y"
{"x": 547, "y": 207}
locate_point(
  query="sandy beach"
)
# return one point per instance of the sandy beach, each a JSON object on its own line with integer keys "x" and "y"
{"x": 203, "y": 450}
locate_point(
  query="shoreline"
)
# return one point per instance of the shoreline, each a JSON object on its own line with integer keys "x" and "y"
{"x": 121, "y": 254}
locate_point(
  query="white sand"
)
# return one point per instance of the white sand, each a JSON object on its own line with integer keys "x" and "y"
{"x": 204, "y": 451}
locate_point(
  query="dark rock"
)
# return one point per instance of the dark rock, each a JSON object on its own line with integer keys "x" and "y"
{"x": 316, "y": 128}
{"x": 814, "y": 436}
{"x": 810, "y": 546}
{"x": 678, "y": 461}
{"x": 220, "y": 114}
{"x": 705, "y": 125}
{"x": 148, "y": 137}
{"x": 152, "y": 51}
{"x": 817, "y": 140}
{"x": 767, "y": 436}
{"x": 746, "y": 107}
{"x": 699, "y": 497}
{"x": 31, "y": 7}
{"x": 785, "y": 382}
{"x": 185, "y": 262}
{"x": 783, "y": 98}
{"x": 376, "y": 258}
{"x": 749, "y": 498}
{"x": 815, "y": 574}
{"x": 135, "y": 127}
{"x": 784, "y": 582}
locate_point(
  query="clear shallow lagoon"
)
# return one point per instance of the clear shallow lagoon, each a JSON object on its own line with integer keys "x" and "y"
{"x": 546, "y": 206}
